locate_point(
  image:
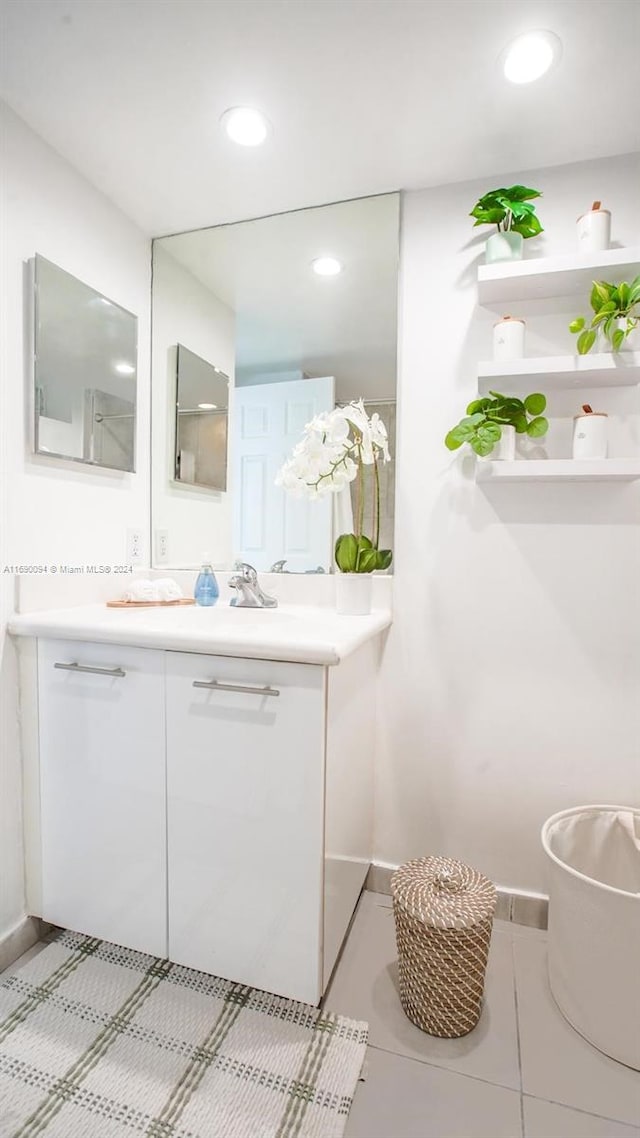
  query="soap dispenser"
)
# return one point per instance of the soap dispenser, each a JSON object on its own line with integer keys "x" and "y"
{"x": 206, "y": 591}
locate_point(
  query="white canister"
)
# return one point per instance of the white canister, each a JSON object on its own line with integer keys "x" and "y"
{"x": 594, "y": 230}
{"x": 353, "y": 593}
{"x": 590, "y": 432}
{"x": 508, "y": 338}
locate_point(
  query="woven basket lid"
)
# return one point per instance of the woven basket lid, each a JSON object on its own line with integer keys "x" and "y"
{"x": 443, "y": 893}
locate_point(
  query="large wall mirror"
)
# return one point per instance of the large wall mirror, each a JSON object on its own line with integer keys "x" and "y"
{"x": 85, "y": 367}
{"x": 245, "y": 304}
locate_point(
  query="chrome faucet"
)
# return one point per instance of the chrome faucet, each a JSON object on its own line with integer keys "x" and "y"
{"x": 250, "y": 595}
{"x": 279, "y": 566}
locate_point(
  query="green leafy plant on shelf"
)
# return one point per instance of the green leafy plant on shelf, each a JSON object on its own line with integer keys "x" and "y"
{"x": 615, "y": 311}
{"x": 510, "y": 210}
{"x": 482, "y": 425}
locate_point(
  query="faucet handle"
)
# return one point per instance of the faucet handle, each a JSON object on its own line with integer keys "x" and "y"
{"x": 246, "y": 571}
{"x": 279, "y": 566}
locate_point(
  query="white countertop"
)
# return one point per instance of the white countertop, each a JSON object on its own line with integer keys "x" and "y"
{"x": 298, "y": 633}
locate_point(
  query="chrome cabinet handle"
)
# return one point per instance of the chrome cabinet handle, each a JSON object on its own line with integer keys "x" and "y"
{"x": 95, "y": 671}
{"x": 215, "y": 685}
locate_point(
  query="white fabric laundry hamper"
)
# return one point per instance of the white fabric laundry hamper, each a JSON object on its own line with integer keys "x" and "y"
{"x": 594, "y": 924}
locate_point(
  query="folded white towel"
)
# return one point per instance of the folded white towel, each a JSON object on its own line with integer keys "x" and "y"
{"x": 164, "y": 589}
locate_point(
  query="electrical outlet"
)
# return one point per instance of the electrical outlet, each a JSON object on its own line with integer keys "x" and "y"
{"x": 134, "y": 547}
{"x": 162, "y": 547}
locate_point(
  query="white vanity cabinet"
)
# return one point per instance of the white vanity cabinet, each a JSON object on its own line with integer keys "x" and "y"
{"x": 245, "y": 809}
{"x": 215, "y": 810}
{"x": 102, "y": 791}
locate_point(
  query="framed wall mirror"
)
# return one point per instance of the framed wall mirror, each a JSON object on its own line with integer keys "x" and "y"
{"x": 202, "y": 397}
{"x": 85, "y": 372}
{"x": 290, "y": 341}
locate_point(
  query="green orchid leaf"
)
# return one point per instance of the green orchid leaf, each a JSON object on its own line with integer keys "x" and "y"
{"x": 577, "y": 325}
{"x": 538, "y": 427}
{"x": 586, "y": 340}
{"x": 385, "y": 557}
{"x": 368, "y": 561}
{"x": 535, "y": 403}
{"x": 346, "y": 552}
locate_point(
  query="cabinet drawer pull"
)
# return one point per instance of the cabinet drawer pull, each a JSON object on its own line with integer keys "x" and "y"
{"x": 215, "y": 685}
{"x": 95, "y": 671}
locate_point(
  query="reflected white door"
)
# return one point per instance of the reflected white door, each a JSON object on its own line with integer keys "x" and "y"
{"x": 270, "y": 525}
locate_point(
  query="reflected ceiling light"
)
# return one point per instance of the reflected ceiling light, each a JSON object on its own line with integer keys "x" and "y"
{"x": 245, "y": 125}
{"x": 326, "y": 266}
{"x": 125, "y": 368}
{"x": 530, "y": 56}
{"x": 208, "y": 406}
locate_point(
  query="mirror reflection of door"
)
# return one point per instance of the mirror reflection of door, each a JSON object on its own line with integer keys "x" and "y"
{"x": 268, "y": 525}
{"x": 202, "y": 398}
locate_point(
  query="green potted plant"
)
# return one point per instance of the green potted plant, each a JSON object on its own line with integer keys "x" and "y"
{"x": 616, "y": 314}
{"x": 492, "y": 422}
{"x": 511, "y": 211}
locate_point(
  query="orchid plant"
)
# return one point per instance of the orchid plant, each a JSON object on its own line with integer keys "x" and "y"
{"x": 336, "y": 448}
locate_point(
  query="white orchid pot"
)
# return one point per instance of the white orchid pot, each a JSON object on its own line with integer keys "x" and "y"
{"x": 590, "y": 435}
{"x": 594, "y": 230}
{"x": 508, "y": 338}
{"x": 505, "y": 449}
{"x": 353, "y": 593}
{"x": 504, "y": 247}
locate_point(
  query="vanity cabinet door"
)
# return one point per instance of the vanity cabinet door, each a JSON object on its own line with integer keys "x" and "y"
{"x": 103, "y": 795}
{"x": 245, "y": 783}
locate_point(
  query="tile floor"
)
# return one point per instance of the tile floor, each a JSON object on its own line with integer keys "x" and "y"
{"x": 522, "y": 1073}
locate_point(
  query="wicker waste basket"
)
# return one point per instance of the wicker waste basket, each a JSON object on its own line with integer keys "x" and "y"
{"x": 443, "y": 912}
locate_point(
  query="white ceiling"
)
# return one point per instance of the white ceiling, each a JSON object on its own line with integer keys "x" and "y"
{"x": 364, "y": 95}
{"x": 287, "y": 317}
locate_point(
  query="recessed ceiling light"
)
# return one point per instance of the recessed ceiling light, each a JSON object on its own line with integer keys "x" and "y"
{"x": 124, "y": 368}
{"x": 208, "y": 406}
{"x": 530, "y": 56}
{"x": 245, "y": 125}
{"x": 326, "y": 266}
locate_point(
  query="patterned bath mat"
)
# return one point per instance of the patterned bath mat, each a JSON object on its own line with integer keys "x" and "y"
{"x": 98, "y": 1041}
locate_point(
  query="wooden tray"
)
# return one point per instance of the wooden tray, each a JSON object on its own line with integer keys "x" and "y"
{"x": 150, "y": 604}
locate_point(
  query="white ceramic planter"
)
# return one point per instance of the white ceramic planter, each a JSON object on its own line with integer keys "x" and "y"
{"x": 590, "y": 434}
{"x": 504, "y": 247}
{"x": 629, "y": 344}
{"x": 353, "y": 593}
{"x": 594, "y": 230}
{"x": 508, "y": 338}
{"x": 505, "y": 448}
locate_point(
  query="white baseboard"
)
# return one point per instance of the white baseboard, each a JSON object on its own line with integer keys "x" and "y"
{"x": 522, "y": 908}
{"x": 18, "y": 940}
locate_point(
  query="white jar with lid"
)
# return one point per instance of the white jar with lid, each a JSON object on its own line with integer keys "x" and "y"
{"x": 594, "y": 229}
{"x": 508, "y": 338}
{"x": 590, "y": 433}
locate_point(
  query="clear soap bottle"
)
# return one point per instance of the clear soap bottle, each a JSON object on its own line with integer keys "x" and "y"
{"x": 206, "y": 591}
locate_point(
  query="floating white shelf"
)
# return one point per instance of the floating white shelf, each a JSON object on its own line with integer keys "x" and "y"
{"x": 554, "y": 276}
{"x": 605, "y": 369}
{"x": 560, "y": 470}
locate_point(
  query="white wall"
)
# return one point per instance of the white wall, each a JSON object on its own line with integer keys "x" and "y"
{"x": 511, "y": 676}
{"x": 187, "y": 313}
{"x": 53, "y": 512}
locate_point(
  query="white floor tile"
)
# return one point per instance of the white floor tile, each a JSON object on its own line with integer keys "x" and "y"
{"x": 548, "y": 1120}
{"x": 406, "y": 1099}
{"x": 557, "y": 1063}
{"x": 365, "y": 987}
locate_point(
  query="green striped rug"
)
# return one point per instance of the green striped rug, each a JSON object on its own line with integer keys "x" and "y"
{"x": 98, "y": 1041}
